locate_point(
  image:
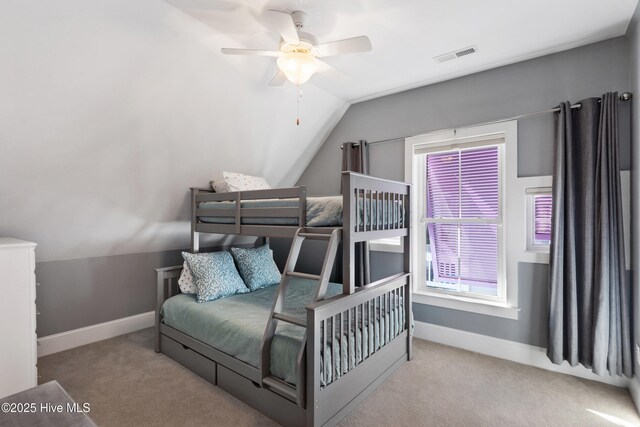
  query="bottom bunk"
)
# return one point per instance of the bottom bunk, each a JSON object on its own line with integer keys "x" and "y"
{"x": 361, "y": 336}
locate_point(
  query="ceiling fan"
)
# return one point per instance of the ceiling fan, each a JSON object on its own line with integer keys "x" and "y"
{"x": 299, "y": 51}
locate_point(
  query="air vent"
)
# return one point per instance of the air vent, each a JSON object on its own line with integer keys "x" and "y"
{"x": 456, "y": 54}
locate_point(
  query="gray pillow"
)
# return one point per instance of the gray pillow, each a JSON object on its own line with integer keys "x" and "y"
{"x": 215, "y": 275}
{"x": 256, "y": 265}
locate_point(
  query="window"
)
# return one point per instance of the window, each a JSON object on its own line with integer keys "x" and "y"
{"x": 463, "y": 216}
{"x": 542, "y": 219}
{"x": 539, "y": 203}
{"x": 460, "y": 225}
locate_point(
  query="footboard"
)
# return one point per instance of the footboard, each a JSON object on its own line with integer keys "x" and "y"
{"x": 353, "y": 343}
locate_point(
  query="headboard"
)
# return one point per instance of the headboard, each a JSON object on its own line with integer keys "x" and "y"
{"x": 167, "y": 286}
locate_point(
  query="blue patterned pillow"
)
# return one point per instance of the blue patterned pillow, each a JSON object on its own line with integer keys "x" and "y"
{"x": 215, "y": 275}
{"x": 256, "y": 266}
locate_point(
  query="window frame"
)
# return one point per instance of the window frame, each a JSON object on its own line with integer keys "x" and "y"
{"x": 505, "y": 305}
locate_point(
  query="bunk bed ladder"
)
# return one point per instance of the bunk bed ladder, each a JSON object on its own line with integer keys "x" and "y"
{"x": 333, "y": 237}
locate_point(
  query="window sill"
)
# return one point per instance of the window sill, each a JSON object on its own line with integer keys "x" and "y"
{"x": 466, "y": 304}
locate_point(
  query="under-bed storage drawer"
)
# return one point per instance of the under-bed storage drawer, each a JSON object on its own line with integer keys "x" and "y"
{"x": 276, "y": 407}
{"x": 194, "y": 361}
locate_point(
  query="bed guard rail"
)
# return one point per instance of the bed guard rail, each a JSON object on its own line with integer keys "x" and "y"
{"x": 235, "y": 212}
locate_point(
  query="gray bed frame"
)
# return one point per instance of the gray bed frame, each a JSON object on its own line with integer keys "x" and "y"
{"x": 315, "y": 405}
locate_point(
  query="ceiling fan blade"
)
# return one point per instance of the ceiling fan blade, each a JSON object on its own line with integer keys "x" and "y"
{"x": 281, "y": 22}
{"x": 278, "y": 79}
{"x": 332, "y": 71}
{"x": 339, "y": 47}
{"x": 232, "y": 51}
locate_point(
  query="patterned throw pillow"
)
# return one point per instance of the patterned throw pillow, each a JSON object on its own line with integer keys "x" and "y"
{"x": 215, "y": 275}
{"x": 232, "y": 181}
{"x": 256, "y": 266}
{"x": 186, "y": 281}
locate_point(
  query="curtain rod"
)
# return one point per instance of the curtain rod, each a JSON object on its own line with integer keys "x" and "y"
{"x": 625, "y": 96}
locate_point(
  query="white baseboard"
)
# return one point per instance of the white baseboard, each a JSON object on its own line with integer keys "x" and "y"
{"x": 634, "y": 391}
{"x": 509, "y": 350}
{"x": 491, "y": 346}
{"x": 87, "y": 335}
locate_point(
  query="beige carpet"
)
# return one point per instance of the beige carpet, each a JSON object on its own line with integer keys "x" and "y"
{"x": 128, "y": 384}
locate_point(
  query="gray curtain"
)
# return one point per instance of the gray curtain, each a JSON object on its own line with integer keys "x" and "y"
{"x": 589, "y": 297}
{"x": 355, "y": 158}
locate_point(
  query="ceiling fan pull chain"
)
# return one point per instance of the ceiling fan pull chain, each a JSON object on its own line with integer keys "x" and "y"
{"x": 298, "y": 105}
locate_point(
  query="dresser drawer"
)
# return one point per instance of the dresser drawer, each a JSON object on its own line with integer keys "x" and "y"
{"x": 194, "y": 361}
{"x": 274, "y": 406}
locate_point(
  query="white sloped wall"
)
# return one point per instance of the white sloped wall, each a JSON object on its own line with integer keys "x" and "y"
{"x": 110, "y": 111}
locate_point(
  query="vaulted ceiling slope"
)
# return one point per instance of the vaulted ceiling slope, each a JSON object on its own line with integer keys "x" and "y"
{"x": 110, "y": 110}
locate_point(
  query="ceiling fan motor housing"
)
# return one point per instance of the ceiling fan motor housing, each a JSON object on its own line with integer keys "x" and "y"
{"x": 298, "y": 18}
{"x": 307, "y": 41}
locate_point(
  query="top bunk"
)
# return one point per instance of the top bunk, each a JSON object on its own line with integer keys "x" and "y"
{"x": 369, "y": 208}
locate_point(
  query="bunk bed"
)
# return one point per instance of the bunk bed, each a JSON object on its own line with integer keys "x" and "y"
{"x": 308, "y": 351}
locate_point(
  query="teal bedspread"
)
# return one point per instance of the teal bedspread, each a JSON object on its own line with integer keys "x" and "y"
{"x": 235, "y": 325}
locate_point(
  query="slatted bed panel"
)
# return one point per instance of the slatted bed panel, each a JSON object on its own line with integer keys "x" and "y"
{"x": 374, "y": 208}
{"x": 357, "y": 336}
{"x": 382, "y": 210}
{"x": 382, "y": 204}
{"x": 351, "y": 336}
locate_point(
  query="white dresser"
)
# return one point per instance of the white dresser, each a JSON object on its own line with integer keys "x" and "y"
{"x": 18, "y": 341}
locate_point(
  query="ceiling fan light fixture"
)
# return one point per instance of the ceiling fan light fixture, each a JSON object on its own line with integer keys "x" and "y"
{"x": 298, "y": 66}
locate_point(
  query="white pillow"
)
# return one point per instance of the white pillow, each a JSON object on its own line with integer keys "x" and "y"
{"x": 186, "y": 281}
{"x": 232, "y": 181}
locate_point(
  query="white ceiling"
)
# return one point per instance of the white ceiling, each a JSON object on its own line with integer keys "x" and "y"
{"x": 406, "y": 35}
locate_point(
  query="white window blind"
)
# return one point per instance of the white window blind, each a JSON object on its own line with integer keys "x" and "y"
{"x": 463, "y": 215}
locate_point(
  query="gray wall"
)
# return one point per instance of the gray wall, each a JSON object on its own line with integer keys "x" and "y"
{"x": 81, "y": 292}
{"x": 86, "y": 291}
{"x": 528, "y": 86}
